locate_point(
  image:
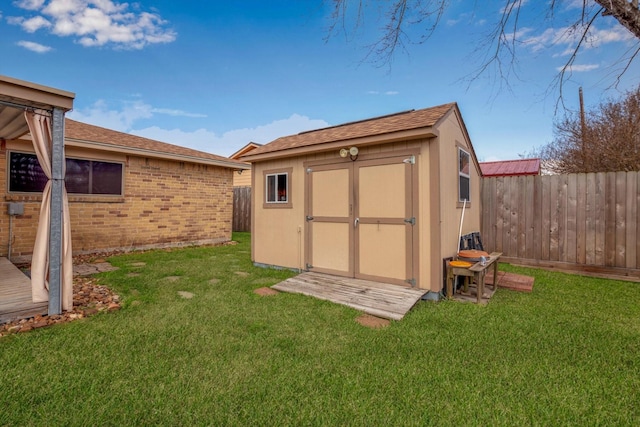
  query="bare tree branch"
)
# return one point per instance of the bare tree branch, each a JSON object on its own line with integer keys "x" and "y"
{"x": 560, "y": 78}
{"x": 607, "y": 140}
{"x": 625, "y": 11}
{"x": 501, "y": 46}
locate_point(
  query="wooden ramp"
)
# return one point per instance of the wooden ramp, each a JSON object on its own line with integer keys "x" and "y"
{"x": 515, "y": 282}
{"x": 378, "y": 299}
{"x": 15, "y": 294}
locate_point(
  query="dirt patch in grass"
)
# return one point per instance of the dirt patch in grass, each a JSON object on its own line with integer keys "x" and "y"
{"x": 186, "y": 295}
{"x": 264, "y": 292}
{"x": 242, "y": 273}
{"x": 173, "y": 278}
{"x": 372, "y": 322}
{"x": 214, "y": 281}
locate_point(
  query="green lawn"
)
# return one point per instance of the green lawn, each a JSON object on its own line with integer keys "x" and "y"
{"x": 566, "y": 354}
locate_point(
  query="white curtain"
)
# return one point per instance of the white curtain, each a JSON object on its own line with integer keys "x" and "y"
{"x": 40, "y": 128}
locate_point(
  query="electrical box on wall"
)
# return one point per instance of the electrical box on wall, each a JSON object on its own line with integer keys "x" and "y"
{"x": 16, "y": 208}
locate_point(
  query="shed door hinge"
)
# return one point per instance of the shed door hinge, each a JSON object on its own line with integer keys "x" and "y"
{"x": 412, "y": 282}
{"x": 309, "y": 266}
{"x": 309, "y": 170}
{"x": 309, "y": 218}
{"x": 411, "y": 220}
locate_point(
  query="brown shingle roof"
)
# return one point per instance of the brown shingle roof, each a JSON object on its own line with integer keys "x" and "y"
{"x": 83, "y": 132}
{"x": 408, "y": 120}
{"x": 244, "y": 150}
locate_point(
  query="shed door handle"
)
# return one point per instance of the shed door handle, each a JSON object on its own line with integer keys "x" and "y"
{"x": 355, "y": 223}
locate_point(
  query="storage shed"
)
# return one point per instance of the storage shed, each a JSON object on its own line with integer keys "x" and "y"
{"x": 378, "y": 199}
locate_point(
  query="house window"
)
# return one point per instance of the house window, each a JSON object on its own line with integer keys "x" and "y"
{"x": 278, "y": 188}
{"x": 464, "y": 177}
{"x": 82, "y": 176}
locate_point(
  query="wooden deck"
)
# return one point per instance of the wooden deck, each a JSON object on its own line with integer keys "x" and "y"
{"x": 378, "y": 299}
{"x": 15, "y": 294}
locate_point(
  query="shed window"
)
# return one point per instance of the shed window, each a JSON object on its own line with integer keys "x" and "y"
{"x": 82, "y": 176}
{"x": 464, "y": 177}
{"x": 277, "y": 188}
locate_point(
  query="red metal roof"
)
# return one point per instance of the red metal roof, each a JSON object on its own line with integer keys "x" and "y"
{"x": 511, "y": 167}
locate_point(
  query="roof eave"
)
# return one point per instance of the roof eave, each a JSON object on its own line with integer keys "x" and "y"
{"x": 404, "y": 135}
{"x": 231, "y": 164}
{"x": 242, "y": 152}
{"x": 35, "y": 95}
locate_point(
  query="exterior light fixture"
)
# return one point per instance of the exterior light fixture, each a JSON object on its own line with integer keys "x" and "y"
{"x": 353, "y": 153}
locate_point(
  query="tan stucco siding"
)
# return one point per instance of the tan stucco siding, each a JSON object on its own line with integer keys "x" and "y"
{"x": 278, "y": 236}
{"x": 451, "y": 138}
{"x": 428, "y": 202}
{"x": 278, "y": 233}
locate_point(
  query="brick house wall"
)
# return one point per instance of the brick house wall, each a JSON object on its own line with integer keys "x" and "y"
{"x": 166, "y": 203}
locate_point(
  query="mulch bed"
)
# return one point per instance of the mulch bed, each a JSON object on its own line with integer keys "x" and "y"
{"x": 89, "y": 298}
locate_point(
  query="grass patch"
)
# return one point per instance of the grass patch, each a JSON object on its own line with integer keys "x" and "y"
{"x": 568, "y": 353}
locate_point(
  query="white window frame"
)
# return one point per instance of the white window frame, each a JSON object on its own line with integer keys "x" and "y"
{"x": 461, "y": 174}
{"x": 277, "y": 176}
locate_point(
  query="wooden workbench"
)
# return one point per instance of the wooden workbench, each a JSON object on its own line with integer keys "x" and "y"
{"x": 477, "y": 271}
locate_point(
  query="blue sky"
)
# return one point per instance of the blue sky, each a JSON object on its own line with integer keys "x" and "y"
{"x": 215, "y": 75}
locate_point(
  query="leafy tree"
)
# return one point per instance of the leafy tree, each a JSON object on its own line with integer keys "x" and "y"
{"x": 605, "y": 139}
{"x": 401, "y": 18}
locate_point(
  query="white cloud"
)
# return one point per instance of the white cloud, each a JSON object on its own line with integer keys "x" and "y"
{"x": 612, "y": 35}
{"x": 177, "y": 113}
{"x": 466, "y": 18}
{"x": 99, "y": 114}
{"x": 34, "y": 47}
{"x": 29, "y": 4}
{"x": 231, "y": 141}
{"x": 376, "y": 92}
{"x": 567, "y": 38}
{"x": 123, "y": 120}
{"x": 96, "y": 22}
{"x": 513, "y": 6}
{"x": 580, "y": 68}
{"x": 34, "y": 24}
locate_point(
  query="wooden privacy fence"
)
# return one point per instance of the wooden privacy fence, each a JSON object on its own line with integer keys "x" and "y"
{"x": 241, "y": 208}
{"x": 586, "y": 222}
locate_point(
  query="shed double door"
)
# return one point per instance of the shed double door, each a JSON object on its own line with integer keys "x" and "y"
{"x": 361, "y": 219}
